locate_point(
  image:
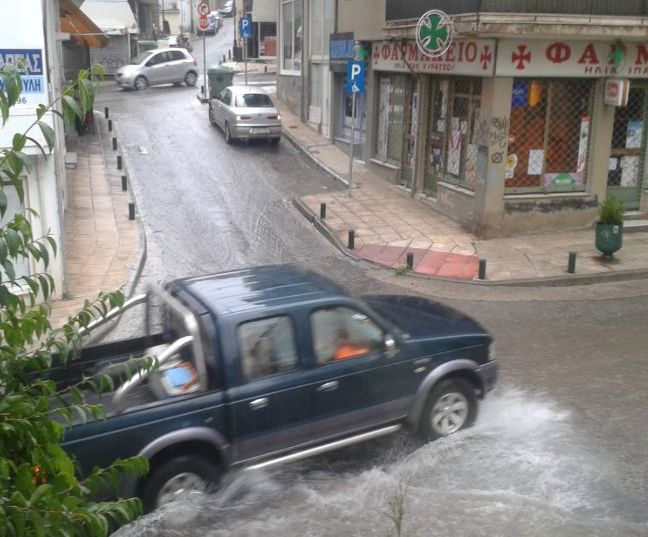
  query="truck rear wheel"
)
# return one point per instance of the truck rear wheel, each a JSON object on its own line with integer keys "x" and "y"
{"x": 178, "y": 478}
{"x": 451, "y": 406}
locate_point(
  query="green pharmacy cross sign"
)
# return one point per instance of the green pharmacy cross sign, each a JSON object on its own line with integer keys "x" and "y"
{"x": 434, "y": 33}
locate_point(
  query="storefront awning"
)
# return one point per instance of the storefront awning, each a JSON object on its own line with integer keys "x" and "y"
{"x": 80, "y": 27}
{"x": 114, "y": 17}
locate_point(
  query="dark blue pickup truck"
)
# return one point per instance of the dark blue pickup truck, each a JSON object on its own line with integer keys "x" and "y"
{"x": 274, "y": 364}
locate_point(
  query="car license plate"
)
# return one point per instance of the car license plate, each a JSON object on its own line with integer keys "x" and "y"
{"x": 259, "y": 131}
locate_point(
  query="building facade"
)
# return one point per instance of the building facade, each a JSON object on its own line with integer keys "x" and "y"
{"x": 30, "y": 37}
{"x": 511, "y": 129}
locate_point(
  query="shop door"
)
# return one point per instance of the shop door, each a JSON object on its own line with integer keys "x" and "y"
{"x": 436, "y": 139}
{"x": 411, "y": 126}
{"x": 626, "y": 167}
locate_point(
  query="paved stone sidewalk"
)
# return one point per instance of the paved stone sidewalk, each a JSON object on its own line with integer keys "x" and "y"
{"x": 100, "y": 244}
{"x": 389, "y": 223}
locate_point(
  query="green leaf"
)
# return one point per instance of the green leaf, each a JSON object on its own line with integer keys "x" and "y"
{"x": 3, "y": 203}
{"x": 18, "y": 141}
{"x": 41, "y": 110}
{"x": 70, "y": 103}
{"x": 48, "y": 134}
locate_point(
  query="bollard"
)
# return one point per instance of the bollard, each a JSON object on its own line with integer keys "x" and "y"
{"x": 410, "y": 261}
{"x": 119, "y": 162}
{"x": 131, "y": 210}
{"x": 124, "y": 183}
{"x": 322, "y": 211}
{"x": 571, "y": 263}
{"x": 110, "y": 125}
{"x": 202, "y": 89}
{"x": 106, "y": 112}
{"x": 229, "y": 54}
{"x": 223, "y": 59}
{"x": 265, "y": 68}
{"x": 114, "y": 144}
{"x": 351, "y": 244}
{"x": 482, "y": 269}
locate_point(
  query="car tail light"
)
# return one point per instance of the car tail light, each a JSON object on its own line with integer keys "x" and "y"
{"x": 276, "y": 116}
{"x": 243, "y": 118}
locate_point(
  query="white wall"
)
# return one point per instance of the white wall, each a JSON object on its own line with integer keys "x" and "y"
{"x": 28, "y": 29}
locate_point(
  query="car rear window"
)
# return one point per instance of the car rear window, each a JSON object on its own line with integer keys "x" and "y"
{"x": 253, "y": 100}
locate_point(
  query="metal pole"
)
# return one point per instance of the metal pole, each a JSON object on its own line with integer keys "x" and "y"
{"x": 353, "y": 112}
{"x": 204, "y": 65}
{"x": 245, "y": 44}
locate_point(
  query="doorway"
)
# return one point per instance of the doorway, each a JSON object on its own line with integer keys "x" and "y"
{"x": 627, "y": 154}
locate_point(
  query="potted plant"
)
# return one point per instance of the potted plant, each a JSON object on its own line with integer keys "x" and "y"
{"x": 609, "y": 228}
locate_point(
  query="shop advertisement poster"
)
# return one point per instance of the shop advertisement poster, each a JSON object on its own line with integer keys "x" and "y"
{"x": 582, "y": 146}
{"x": 629, "y": 171}
{"x": 464, "y": 57}
{"x": 633, "y": 134}
{"x": 454, "y": 149}
{"x": 571, "y": 58}
{"x": 562, "y": 179}
{"x": 29, "y": 62}
{"x": 536, "y": 160}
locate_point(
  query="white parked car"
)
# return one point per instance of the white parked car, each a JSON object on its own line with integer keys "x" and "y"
{"x": 158, "y": 66}
{"x": 245, "y": 113}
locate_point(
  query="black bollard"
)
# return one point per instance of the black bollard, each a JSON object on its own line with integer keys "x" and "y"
{"x": 482, "y": 269}
{"x": 131, "y": 210}
{"x": 229, "y": 54}
{"x": 322, "y": 211}
{"x": 571, "y": 263}
{"x": 106, "y": 112}
{"x": 119, "y": 162}
{"x": 351, "y": 244}
{"x": 114, "y": 143}
{"x": 410, "y": 261}
{"x": 124, "y": 183}
{"x": 110, "y": 125}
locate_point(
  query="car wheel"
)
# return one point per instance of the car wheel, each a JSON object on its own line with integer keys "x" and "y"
{"x": 190, "y": 79}
{"x": 212, "y": 119}
{"x": 141, "y": 83}
{"x": 451, "y": 406}
{"x": 275, "y": 141}
{"x": 177, "y": 478}
{"x": 228, "y": 134}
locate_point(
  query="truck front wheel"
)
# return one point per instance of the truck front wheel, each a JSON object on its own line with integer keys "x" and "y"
{"x": 178, "y": 478}
{"x": 451, "y": 406}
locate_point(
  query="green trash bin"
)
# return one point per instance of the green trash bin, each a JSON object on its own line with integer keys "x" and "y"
{"x": 219, "y": 77}
{"x": 143, "y": 46}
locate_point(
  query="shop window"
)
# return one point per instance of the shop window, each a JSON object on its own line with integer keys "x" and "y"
{"x": 549, "y": 133}
{"x": 391, "y": 116}
{"x": 292, "y": 32}
{"x": 451, "y": 151}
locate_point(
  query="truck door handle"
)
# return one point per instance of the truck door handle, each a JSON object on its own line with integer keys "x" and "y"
{"x": 329, "y": 386}
{"x": 256, "y": 404}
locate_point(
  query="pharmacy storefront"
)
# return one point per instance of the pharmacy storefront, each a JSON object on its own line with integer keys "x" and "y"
{"x": 498, "y": 134}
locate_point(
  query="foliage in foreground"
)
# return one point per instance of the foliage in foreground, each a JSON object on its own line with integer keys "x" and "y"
{"x": 41, "y": 492}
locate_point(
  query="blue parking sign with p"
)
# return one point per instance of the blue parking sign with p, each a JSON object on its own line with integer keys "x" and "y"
{"x": 245, "y": 27}
{"x": 355, "y": 77}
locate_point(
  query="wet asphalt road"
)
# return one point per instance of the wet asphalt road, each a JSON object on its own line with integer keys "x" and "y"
{"x": 559, "y": 450}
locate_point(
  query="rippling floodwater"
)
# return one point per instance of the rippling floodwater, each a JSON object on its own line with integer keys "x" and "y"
{"x": 523, "y": 470}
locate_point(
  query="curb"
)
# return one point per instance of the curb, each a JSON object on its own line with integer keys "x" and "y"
{"x": 551, "y": 281}
{"x": 136, "y": 269}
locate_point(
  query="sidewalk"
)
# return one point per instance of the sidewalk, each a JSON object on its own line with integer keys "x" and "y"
{"x": 389, "y": 224}
{"x": 101, "y": 246}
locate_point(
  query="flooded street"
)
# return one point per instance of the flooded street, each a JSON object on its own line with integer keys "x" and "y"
{"x": 559, "y": 450}
{"x": 522, "y": 470}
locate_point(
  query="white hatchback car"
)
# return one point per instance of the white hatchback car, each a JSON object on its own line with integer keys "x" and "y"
{"x": 158, "y": 66}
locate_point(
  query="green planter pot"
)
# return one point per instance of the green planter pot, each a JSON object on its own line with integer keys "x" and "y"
{"x": 609, "y": 238}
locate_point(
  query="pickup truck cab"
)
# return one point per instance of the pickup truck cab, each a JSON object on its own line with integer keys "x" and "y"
{"x": 274, "y": 364}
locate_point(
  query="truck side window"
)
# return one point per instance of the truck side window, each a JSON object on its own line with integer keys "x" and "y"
{"x": 267, "y": 347}
{"x": 340, "y": 333}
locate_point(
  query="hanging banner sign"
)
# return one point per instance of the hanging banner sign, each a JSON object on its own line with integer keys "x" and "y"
{"x": 573, "y": 59}
{"x": 470, "y": 57}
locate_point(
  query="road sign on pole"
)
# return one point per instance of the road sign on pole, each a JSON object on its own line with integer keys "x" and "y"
{"x": 203, "y": 23}
{"x": 203, "y": 9}
{"x": 245, "y": 27}
{"x": 355, "y": 77}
